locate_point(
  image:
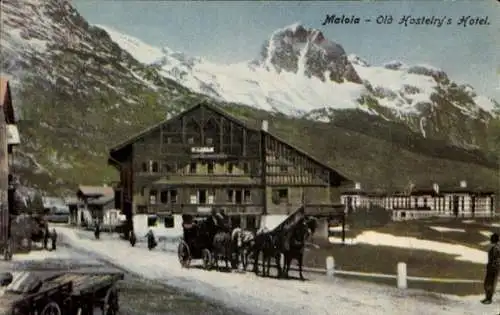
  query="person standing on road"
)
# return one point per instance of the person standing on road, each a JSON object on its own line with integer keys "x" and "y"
{"x": 53, "y": 237}
{"x": 132, "y": 239}
{"x": 46, "y": 237}
{"x": 151, "y": 240}
{"x": 97, "y": 231}
{"x": 492, "y": 269}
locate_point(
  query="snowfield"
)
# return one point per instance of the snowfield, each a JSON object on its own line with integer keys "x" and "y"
{"x": 461, "y": 252}
{"x": 256, "y": 295}
{"x": 398, "y": 87}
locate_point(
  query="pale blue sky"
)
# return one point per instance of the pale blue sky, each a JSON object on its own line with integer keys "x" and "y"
{"x": 234, "y": 31}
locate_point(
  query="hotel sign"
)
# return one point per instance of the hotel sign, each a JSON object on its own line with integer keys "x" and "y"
{"x": 204, "y": 209}
{"x": 202, "y": 150}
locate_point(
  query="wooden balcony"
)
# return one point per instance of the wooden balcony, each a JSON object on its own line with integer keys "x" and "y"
{"x": 200, "y": 209}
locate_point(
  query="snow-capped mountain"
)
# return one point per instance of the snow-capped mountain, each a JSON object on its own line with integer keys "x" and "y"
{"x": 80, "y": 89}
{"x": 300, "y": 72}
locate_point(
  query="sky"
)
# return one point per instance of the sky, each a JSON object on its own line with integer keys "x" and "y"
{"x": 234, "y": 31}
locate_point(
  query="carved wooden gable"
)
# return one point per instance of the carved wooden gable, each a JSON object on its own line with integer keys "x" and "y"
{"x": 283, "y": 160}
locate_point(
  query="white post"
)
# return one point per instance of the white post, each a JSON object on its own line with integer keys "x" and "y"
{"x": 282, "y": 260}
{"x": 330, "y": 266}
{"x": 402, "y": 280}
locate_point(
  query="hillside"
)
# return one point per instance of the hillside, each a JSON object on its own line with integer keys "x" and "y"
{"x": 78, "y": 92}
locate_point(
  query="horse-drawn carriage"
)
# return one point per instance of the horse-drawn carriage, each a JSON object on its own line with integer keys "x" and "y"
{"x": 60, "y": 293}
{"x": 205, "y": 239}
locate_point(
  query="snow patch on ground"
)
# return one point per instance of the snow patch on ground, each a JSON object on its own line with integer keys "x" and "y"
{"x": 443, "y": 229}
{"x": 461, "y": 252}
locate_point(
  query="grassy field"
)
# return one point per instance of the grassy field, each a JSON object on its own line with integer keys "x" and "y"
{"x": 420, "y": 263}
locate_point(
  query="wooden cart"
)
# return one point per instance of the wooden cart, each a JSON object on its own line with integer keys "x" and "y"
{"x": 65, "y": 294}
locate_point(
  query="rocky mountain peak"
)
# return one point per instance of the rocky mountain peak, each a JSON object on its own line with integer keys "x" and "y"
{"x": 300, "y": 50}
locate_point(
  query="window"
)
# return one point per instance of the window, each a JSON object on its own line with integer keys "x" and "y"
{"x": 192, "y": 168}
{"x": 202, "y": 196}
{"x": 152, "y": 197}
{"x": 283, "y": 168}
{"x": 143, "y": 190}
{"x": 210, "y": 168}
{"x": 230, "y": 194}
{"x": 164, "y": 196}
{"x": 154, "y": 167}
{"x": 463, "y": 203}
{"x": 247, "y": 197}
{"x": 193, "y": 199}
{"x": 173, "y": 196}
{"x": 211, "y": 199}
{"x": 141, "y": 209}
{"x": 169, "y": 222}
{"x": 251, "y": 222}
{"x": 169, "y": 140}
{"x": 235, "y": 221}
{"x": 246, "y": 168}
{"x": 152, "y": 220}
{"x": 425, "y": 202}
{"x": 209, "y": 141}
{"x": 190, "y": 140}
{"x": 238, "y": 197}
{"x": 230, "y": 168}
{"x": 144, "y": 167}
{"x": 280, "y": 196}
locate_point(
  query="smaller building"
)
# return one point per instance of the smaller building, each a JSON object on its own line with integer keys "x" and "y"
{"x": 55, "y": 209}
{"x": 93, "y": 203}
{"x": 9, "y": 139}
{"x": 422, "y": 202}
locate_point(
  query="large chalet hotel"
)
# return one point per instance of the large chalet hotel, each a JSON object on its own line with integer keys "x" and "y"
{"x": 204, "y": 159}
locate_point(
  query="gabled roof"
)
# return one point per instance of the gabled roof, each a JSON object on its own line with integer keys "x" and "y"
{"x": 6, "y": 100}
{"x": 95, "y": 191}
{"x": 214, "y": 108}
{"x": 96, "y": 195}
{"x": 230, "y": 117}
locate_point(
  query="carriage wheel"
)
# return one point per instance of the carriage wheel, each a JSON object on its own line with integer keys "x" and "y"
{"x": 206, "y": 255}
{"x": 184, "y": 254}
{"x": 110, "y": 304}
{"x": 52, "y": 308}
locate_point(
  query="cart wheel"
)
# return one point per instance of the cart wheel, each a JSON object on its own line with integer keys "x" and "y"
{"x": 184, "y": 254}
{"x": 51, "y": 308}
{"x": 206, "y": 255}
{"x": 111, "y": 305}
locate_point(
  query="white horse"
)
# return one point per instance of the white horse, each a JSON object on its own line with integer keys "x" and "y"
{"x": 243, "y": 241}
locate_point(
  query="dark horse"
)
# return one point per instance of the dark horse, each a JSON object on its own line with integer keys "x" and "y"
{"x": 294, "y": 242}
{"x": 217, "y": 228}
{"x": 267, "y": 244}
